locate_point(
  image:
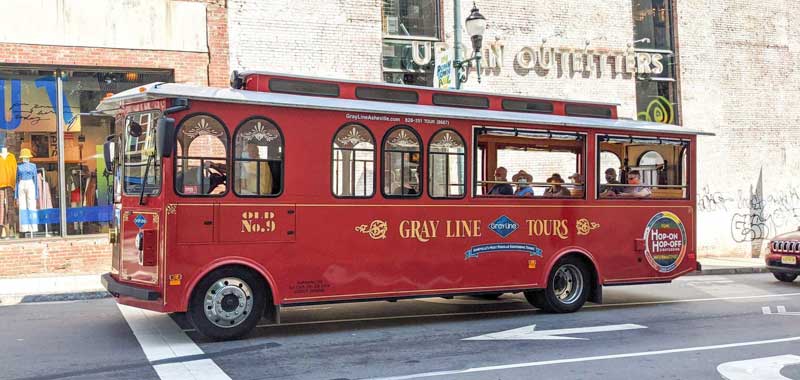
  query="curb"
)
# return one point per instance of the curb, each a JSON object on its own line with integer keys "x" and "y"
{"x": 732, "y": 270}
{"x": 9, "y": 300}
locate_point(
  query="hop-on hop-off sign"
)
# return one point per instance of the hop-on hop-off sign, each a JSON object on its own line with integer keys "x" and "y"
{"x": 140, "y": 221}
{"x": 664, "y": 242}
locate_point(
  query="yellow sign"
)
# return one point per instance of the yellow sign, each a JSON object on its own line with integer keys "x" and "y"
{"x": 258, "y": 222}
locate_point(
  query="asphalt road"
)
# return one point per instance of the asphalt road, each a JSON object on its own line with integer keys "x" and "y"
{"x": 698, "y": 327}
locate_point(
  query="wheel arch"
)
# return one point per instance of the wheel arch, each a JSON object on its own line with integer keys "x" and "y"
{"x": 251, "y": 265}
{"x": 596, "y": 294}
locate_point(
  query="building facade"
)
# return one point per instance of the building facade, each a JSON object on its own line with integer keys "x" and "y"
{"x": 727, "y": 67}
{"x": 67, "y": 55}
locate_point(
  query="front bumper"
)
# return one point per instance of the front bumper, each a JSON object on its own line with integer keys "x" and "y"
{"x": 119, "y": 289}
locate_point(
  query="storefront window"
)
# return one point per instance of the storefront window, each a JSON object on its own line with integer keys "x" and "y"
{"x": 409, "y": 25}
{"x": 29, "y": 132}
{"x": 411, "y": 18}
{"x": 652, "y": 20}
{"x": 656, "y": 90}
{"x": 28, "y": 157}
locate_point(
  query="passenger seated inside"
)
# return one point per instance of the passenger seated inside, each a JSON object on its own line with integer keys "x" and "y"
{"x": 217, "y": 178}
{"x": 556, "y": 190}
{"x": 576, "y": 191}
{"x": 522, "y": 179}
{"x": 611, "y": 179}
{"x": 635, "y": 191}
{"x": 503, "y": 188}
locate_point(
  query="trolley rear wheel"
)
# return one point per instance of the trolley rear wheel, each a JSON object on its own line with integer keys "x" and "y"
{"x": 568, "y": 287}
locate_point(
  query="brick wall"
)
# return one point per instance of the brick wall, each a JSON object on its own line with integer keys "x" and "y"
{"x": 190, "y": 67}
{"x": 63, "y": 256}
{"x": 740, "y": 80}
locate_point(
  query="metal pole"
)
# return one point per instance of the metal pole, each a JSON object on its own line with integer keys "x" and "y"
{"x": 62, "y": 177}
{"x": 457, "y": 41}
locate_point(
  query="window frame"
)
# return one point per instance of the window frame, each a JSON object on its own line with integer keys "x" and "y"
{"x": 420, "y": 165}
{"x": 374, "y": 161}
{"x": 584, "y": 162}
{"x": 177, "y": 158}
{"x": 158, "y": 159}
{"x": 438, "y": 27}
{"x": 685, "y": 144}
{"x": 447, "y": 155}
{"x": 233, "y": 158}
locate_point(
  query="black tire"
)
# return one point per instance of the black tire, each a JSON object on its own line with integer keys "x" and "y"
{"x": 235, "y": 299}
{"x": 488, "y": 296}
{"x": 568, "y": 287}
{"x": 785, "y": 277}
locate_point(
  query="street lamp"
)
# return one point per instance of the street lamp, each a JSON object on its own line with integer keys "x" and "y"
{"x": 476, "y": 25}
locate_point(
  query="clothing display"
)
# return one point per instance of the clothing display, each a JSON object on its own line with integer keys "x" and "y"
{"x": 26, "y": 199}
{"x": 26, "y": 171}
{"x": 26, "y": 193}
{"x": 4, "y": 202}
{"x": 45, "y": 200}
{"x": 8, "y": 170}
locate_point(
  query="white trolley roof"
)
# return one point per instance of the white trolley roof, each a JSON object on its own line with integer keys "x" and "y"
{"x": 156, "y": 91}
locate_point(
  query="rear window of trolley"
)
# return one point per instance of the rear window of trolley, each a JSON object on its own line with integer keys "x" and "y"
{"x": 141, "y": 168}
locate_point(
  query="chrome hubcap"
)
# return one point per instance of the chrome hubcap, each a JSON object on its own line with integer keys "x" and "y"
{"x": 228, "y": 302}
{"x": 568, "y": 283}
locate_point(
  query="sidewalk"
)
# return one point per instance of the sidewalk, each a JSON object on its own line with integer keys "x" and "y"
{"x": 730, "y": 265}
{"x": 68, "y": 288}
{"x": 50, "y": 288}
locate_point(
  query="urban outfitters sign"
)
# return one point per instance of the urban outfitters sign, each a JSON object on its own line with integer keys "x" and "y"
{"x": 544, "y": 59}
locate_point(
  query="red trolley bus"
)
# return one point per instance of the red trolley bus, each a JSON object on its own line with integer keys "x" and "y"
{"x": 285, "y": 190}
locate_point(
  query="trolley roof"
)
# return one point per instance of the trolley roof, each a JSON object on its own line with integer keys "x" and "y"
{"x": 155, "y": 91}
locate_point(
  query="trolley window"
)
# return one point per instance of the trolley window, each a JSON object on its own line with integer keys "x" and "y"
{"x": 300, "y": 87}
{"x": 642, "y": 167}
{"x": 258, "y": 159}
{"x": 527, "y": 106}
{"x": 353, "y": 166}
{"x": 460, "y": 101}
{"x": 387, "y": 95}
{"x": 529, "y": 164}
{"x": 587, "y": 111}
{"x": 201, "y": 161}
{"x": 140, "y": 145}
{"x": 402, "y": 163}
{"x": 446, "y": 169}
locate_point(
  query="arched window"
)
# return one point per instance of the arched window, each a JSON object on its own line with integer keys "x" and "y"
{"x": 201, "y": 160}
{"x": 446, "y": 170}
{"x": 258, "y": 159}
{"x": 353, "y": 169}
{"x": 650, "y": 163}
{"x": 402, "y": 163}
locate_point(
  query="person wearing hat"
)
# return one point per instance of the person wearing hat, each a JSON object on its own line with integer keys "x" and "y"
{"x": 522, "y": 179}
{"x": 556, "y": 190}
{"x": 26, "y": 192}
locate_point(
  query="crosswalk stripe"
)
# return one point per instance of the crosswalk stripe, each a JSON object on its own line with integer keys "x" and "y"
{"x": 161, "y": 338}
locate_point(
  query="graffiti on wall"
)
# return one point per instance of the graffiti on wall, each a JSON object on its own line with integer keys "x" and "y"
{"x": 756, "y": 214}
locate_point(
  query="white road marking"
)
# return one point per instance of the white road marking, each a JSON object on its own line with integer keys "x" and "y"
{"x": 768, "y": 368}
{"x": 588, "y": 359}
{"x": 463, "y": 301}
{"x": 161, "y": 338}
{"x": 781, "y": 310}
{"x": 530, "y": 333}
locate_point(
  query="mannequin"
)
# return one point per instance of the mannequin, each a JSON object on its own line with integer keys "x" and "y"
{"x": 26, "y": 192}
{"x": 8, "y": 181}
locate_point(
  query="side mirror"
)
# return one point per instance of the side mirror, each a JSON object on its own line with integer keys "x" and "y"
{"x": 165, "y": 130}
{"x": 109, "y": 150}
